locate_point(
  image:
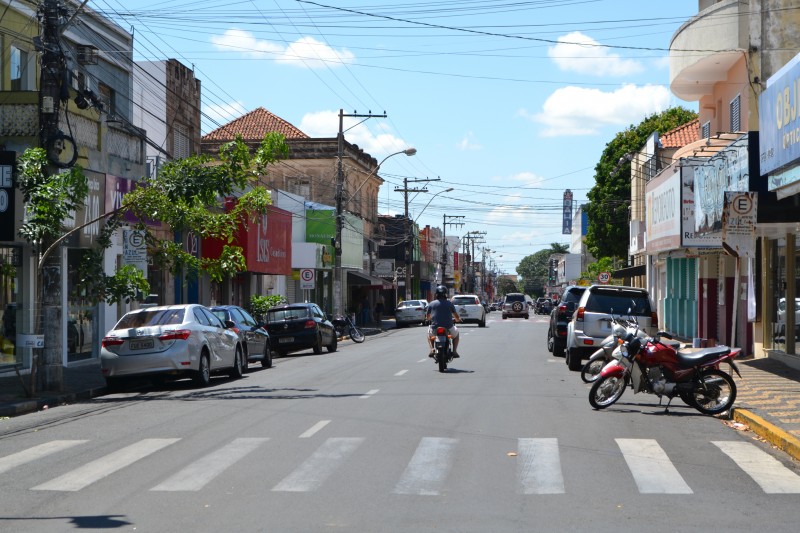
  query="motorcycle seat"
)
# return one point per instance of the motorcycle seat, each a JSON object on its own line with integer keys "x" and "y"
{"x": 689, "y": 357}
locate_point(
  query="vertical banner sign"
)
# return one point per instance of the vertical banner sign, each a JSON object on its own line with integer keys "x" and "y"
{"x": 566, "y": 226}
{"x": 739, "y": 224}
{"x": 7, "y": 162}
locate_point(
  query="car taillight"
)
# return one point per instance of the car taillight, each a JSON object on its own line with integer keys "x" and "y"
{"x": 175, "y": 335}
{"x": 235, "y": 330}
{"x": 562, "y": 309}
{"x": 310, "y": 324}
{"x": 579, "y": 315}
{"x": 654, "y": 320}
{"x": 111, "y": 341}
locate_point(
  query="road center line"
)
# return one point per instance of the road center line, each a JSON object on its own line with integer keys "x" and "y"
{"x": 401, "y": 372}
{"x": 370, "y": 393}
{"x": 310, "y": 432}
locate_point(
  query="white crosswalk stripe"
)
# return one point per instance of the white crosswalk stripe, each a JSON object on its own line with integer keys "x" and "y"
{"x": 316, "y": 469}
{"x": 105, "y": 466}
{"x": 198, "y": 474}
{"x": 539, "y": 467}
{"x": 428, "y": 469}
{"x": 36, "y": 453}
{"x": 651, "y": 468}
{"x": 768, "y": 472}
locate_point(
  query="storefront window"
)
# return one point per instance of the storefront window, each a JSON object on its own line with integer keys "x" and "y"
{"x": 9, "y": 288}
{"x": 81, "y": 315}
{"x": 781, "y": 298}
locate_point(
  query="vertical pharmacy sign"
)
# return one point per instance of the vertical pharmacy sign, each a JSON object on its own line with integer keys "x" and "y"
{"x": 566, "y": 226}
{"x": 134, "y": 249}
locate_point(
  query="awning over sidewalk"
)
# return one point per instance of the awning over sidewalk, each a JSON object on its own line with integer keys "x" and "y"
{"x": 365, "y": 280}
{"x": 629, "y": 272}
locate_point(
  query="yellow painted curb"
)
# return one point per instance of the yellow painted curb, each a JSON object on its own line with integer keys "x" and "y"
{"x": 771, "y": 433}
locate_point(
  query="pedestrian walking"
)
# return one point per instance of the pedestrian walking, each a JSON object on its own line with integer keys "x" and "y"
{"x": 379, "y": 311}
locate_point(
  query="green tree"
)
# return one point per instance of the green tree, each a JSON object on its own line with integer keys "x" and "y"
{"x": 534, "y": 268}
{"x": 505, "y": 285}
{"x": 609, "y": 199}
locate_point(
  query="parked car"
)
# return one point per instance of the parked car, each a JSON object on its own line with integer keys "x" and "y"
{"x": 470, "y": 309}
{"x": 171, "y": 340}
{"x": 781, "y": 318}
{"x": 410, "y": 312}
{"x": 560, "y": 317}
{"x": 543, "y": 306}
{"x": 252, "y": 335}
{"x": 300, "y": 326}
{"x": 515, "y": 305}
{"x": 591, "y": 322}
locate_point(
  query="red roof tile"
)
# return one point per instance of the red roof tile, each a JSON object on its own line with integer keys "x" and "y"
{"x": 253, "y": 126}
{"x": 682, "y": 135}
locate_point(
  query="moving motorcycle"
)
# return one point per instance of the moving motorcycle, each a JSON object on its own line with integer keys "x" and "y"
{"x": 443, "y": 348}
{"x": 655, "y": 367}
{"x": 344, "y": 326}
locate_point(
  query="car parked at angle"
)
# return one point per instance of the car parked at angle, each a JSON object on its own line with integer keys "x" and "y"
{"x": 171, "y": 341}
{"x": 410, "y": 312}
{"x": 515, "y": 305}
{"x": 300, "y": 326}
{"x": 252, "y": 335}
{"x": 470, "y": 309}
{"x": 560, "y": 317}
{"x": 591, "y": 321}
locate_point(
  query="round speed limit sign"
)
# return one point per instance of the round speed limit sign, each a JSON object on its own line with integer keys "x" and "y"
{"x": 604, "y": 277}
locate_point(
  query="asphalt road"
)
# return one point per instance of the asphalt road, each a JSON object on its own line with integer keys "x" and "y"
{"x": 373, "y": 438}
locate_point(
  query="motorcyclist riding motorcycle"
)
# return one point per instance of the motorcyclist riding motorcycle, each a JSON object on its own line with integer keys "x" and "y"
{"x": 442, "y": 312}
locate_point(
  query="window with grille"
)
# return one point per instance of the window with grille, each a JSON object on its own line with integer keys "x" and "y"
{"x": 109, "y": 99}
{"x": 22, "y": 70}
{"x": 736, "y": 115}
{"x": 705, "y": 130}
{"x": 300, "y": 187}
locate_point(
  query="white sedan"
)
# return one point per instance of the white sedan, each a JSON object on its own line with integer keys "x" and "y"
{"x": 470, "y": 309}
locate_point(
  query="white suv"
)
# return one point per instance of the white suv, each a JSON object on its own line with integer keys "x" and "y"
{"x": 470, "y": 309}
{"x": 515, "y": 304}
{"x": 591, "y": 322}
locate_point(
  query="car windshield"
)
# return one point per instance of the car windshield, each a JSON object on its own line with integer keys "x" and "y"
{"x": 288, "y": 313}
{"x": 465, "y": 300}
{"x": 150, "y": 317}
{"x": 572, "y": 296}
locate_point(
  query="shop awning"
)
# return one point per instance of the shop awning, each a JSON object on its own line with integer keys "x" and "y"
{"x": 365, "y": 280}
{"x": 629, "y": 272}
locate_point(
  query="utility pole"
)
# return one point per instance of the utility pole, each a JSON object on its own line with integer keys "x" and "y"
{"x": 408, "y": 231}
{"x": 337, "y": 245}
{"x": 469, "y": 242}
{"x": 444, "y": 240}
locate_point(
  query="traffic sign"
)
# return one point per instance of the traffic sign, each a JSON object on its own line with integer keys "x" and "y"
{"x": 307, "y": 278}
{"x": 604, "y": 277}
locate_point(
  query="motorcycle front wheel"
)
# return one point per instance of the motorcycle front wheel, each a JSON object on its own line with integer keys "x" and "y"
{"x": 607, "y": 390}
{"x": 715, "y": 393}
{"x": 591, "y": 370}
{"x": 356, "y": 335}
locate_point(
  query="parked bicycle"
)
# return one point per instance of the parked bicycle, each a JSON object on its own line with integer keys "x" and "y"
{"x": 345, "y": 326}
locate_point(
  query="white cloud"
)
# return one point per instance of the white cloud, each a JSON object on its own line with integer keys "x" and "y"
{"x": 468, "y": 143}
{"x": 580, "y": 53}
{"x": 304, "y": 52}
{"x": 583, "y": 111}
{"x": 378, "y": 145}
{"x": 222, "y": 114}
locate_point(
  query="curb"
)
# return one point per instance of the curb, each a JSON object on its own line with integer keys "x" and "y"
{"x": 771, "y": 433}
{"x": 33, "y": 405}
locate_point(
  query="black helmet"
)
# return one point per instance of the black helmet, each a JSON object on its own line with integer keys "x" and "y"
{"x": 441, "y": 291}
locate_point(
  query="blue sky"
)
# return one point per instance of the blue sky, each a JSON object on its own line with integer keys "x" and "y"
{"x": 507, "y": 102}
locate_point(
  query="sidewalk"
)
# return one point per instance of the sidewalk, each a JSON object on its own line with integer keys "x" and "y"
{"x": 768, "y": 398}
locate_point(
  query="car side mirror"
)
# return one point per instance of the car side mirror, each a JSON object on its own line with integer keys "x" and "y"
{"x": 230, "y": 324}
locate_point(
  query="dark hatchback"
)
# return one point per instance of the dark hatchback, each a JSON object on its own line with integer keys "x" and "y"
{"x": 300, "y": 326}
{"x": 254, "y": 338}
{"x": 560, "y": 317}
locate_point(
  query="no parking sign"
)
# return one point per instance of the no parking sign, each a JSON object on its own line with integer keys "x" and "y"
{"x": 307, "y": 278}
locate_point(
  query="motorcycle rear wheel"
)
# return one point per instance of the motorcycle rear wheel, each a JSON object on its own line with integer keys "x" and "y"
{"x": 607, "y": 390}
{"x": 591, "y": 370}
{"x": 441, "y": 358}
{"x": 715, "y": 394}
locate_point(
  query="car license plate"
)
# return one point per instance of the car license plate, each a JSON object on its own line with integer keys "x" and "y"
{"x": 146, "y": 344}
{"x": 286, "y": 339}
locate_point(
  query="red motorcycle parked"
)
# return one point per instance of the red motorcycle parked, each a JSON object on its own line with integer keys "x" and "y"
{"x": 658, "y": 368}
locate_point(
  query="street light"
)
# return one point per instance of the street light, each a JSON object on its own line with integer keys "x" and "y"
{"x": 337, "y": 265}
{"x": 410, "y": 242}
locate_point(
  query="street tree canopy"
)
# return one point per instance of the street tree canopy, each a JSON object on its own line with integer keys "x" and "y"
{"x": 609, "y": 199}
{"x": 187, "y": 196}
{"x": 534, "y": 268}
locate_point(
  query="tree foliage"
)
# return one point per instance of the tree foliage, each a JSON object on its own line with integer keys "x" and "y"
{"x": 534, "y": 268}
{"x": 506, "y": 285}
{"x": 609, "y": 199}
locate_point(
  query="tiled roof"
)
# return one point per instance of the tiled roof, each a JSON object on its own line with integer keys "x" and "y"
{"x": 253, "y": 126}
{"x": 682, "y": 135}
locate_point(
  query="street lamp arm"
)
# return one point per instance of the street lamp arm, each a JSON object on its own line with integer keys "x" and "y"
{"x": 407, "y": 151}
{"x": 429, "y": 202}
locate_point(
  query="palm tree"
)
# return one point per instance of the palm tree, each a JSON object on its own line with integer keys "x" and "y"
{"x": 558, "y": 248}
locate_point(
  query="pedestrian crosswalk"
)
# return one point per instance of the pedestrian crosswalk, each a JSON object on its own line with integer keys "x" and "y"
{"x": 427, "y": 471}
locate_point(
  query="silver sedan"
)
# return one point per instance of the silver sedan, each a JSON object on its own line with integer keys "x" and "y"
{"x": 171, "y": 340}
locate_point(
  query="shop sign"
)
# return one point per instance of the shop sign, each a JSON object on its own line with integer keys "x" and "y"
{"x": 729, "y": 170}
{"x": 7, "y": 204}
{"x": 778, "y": 120}
{"x": 566, "y": 225}
{"x": 689, "y": 238}
{"x": 89, "y": 213}
{"x": 383, "y": 268}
